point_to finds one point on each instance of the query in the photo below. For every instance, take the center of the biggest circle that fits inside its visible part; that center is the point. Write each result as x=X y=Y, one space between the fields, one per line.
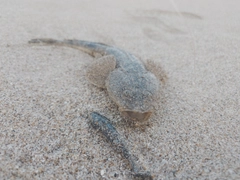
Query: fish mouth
x=137 y=116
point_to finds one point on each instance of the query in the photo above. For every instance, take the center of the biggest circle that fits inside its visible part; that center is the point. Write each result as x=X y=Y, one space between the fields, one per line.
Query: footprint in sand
x=156 y=24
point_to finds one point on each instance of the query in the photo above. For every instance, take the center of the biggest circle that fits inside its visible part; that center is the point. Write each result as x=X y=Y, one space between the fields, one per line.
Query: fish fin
x=157 y=70
x=99 y=70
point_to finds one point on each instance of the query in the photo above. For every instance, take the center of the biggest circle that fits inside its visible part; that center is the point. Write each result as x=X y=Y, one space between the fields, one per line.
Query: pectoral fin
x=98 y=71
x=157 y=70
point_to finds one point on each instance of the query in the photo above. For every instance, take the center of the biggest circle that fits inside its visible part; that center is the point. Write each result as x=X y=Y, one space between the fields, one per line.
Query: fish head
x=135 y=93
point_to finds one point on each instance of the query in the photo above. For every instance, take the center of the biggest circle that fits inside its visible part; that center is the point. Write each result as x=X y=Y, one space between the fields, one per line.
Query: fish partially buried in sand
x=128 y=81
x=108 y=130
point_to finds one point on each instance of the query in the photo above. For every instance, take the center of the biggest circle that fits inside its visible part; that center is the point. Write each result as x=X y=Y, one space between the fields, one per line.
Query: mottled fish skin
x=125 y=60
x=129 y=84
x=109 y=131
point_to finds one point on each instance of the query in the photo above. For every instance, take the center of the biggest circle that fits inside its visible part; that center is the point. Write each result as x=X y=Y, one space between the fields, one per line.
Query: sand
x=45 y=99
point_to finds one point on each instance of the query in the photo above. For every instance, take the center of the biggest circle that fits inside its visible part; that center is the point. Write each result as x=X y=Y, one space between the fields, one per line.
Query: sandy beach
x=45 y=99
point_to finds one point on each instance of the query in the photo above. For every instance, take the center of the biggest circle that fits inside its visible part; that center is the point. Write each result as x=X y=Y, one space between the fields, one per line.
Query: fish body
x=128 y=82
